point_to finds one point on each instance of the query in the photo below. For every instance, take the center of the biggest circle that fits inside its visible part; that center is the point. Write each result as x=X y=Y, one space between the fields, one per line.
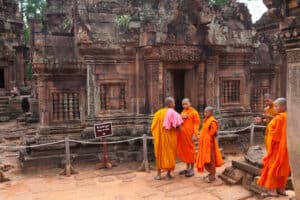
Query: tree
x=32 y=8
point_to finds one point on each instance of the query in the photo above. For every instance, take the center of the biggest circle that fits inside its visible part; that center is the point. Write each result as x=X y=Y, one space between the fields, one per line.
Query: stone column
x=43 y=102
x=91 y=90
x=201 y=86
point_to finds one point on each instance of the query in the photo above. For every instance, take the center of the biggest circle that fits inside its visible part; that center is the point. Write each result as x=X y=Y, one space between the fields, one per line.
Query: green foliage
x=29 y=71
x=123 y=21
x=31 y=9
x=27 y=35
x=218 y=2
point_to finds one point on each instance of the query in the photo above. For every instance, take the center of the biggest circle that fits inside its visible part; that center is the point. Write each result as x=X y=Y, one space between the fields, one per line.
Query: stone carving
x=293 y=56
x=183 y=53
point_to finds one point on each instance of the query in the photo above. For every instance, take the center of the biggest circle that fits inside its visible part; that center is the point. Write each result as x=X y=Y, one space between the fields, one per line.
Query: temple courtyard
x=120 y=183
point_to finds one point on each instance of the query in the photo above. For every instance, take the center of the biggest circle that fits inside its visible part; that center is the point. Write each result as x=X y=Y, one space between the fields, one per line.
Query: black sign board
x=103 y=130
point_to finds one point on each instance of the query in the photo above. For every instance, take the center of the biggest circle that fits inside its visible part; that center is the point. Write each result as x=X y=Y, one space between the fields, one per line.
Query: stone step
x=251 y=169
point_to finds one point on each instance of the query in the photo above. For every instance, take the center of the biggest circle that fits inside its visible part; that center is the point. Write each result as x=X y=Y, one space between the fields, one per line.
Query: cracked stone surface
x=120 y=183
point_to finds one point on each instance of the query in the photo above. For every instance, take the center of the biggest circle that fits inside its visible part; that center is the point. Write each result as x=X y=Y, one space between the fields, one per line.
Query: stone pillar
x=91 y=90
x=154 y=83
x=43 y=102
x=201 y=86
x=34 y=107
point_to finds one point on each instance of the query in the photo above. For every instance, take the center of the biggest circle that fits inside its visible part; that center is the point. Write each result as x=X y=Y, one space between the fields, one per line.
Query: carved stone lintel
x=293 y=56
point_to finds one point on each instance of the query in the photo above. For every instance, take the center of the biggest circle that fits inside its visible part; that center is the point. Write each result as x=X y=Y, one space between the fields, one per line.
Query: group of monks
x=175 y=135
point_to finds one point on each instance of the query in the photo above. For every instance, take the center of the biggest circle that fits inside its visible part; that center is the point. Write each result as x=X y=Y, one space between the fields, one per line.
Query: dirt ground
x=120 y=183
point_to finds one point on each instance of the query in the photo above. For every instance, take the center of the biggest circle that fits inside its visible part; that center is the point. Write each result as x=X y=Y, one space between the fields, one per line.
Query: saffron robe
x=165 y=142
x=207 y=141
x=276 y=168
x=185 y=143
x=269 y=111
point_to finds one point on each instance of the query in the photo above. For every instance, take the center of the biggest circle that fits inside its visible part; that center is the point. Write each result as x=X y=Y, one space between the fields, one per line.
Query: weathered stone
x=255 y=155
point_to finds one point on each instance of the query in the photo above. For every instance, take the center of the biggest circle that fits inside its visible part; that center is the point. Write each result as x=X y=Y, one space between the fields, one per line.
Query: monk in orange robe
x=267 y=116
x=165 y=140
x=209 y=155
x=186 y=135
x=276 y=170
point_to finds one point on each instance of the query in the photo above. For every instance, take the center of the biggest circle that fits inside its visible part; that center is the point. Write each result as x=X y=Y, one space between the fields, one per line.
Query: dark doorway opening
x=2 y=82
x=178 y=77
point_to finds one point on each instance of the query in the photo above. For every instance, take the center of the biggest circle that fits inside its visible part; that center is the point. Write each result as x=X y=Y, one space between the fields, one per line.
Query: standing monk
x=186 y=136
x=267 y=116
x=209 y=155
x=164 y=126
x=276 y=168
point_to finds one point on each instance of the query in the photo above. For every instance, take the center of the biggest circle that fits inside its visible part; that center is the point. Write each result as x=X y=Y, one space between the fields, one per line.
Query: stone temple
x=13 y=54
x=116 y=60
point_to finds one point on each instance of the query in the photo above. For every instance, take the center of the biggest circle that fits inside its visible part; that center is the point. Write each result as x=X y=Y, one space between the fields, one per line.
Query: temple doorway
x=2 y=81
x=178 y=86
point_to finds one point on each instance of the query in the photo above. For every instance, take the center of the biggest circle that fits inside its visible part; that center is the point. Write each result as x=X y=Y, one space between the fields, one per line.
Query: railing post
x=68 y=168
x=68 y=157
x=252 y=134
x=145 y=164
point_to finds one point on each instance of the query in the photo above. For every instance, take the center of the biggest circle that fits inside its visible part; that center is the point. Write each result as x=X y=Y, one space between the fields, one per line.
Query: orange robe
x=185 y=143
x=165 y=142
x=208 y=145
x=268 y=111
x=276 y=168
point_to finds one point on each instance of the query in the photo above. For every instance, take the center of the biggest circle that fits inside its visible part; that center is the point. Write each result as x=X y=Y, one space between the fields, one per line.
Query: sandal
x=189 y=174
x=209 y=179
x=183 y=172
x=282 y=192
x=268 y=194
x=157 y=178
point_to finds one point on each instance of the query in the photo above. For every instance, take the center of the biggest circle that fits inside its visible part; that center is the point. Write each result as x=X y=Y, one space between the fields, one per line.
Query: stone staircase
x=4 y=110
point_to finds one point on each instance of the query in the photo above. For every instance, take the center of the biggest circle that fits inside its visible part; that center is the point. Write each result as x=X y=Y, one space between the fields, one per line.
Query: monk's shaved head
x=209 y=108
x=170 y=102
x=186 y=103
x=268 y=99
x=208 y=111
x=281 y=102
x=186 y=100
x=268 y=96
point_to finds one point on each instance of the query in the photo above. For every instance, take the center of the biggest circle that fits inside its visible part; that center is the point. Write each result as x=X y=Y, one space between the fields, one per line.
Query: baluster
x=71 y=106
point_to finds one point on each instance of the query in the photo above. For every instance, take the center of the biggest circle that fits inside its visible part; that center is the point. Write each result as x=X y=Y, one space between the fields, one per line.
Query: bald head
x=280 y=105
x=208 y=111
x=268 y=96
x=268 y=99
x=170 y=102
x=186 y=103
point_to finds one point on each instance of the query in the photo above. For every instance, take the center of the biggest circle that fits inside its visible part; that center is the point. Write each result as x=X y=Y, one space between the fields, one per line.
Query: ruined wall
x=12 y=47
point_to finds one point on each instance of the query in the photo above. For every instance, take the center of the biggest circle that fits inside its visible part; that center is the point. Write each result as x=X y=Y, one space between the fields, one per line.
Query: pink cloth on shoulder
x=172 y=119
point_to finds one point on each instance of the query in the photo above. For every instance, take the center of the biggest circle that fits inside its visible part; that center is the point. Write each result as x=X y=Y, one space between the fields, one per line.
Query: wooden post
x=106 y=162
x=68 y=168
x=145 y=163
x=252 y=134
x=68 y=157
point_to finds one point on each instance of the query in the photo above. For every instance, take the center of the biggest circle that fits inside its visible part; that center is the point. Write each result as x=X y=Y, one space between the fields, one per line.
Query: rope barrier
x=32 y=146
x=116 y=142
x=241 y=130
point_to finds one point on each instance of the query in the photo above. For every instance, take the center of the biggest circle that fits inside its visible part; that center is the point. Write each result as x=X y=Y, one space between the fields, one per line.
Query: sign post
x=102 y=131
